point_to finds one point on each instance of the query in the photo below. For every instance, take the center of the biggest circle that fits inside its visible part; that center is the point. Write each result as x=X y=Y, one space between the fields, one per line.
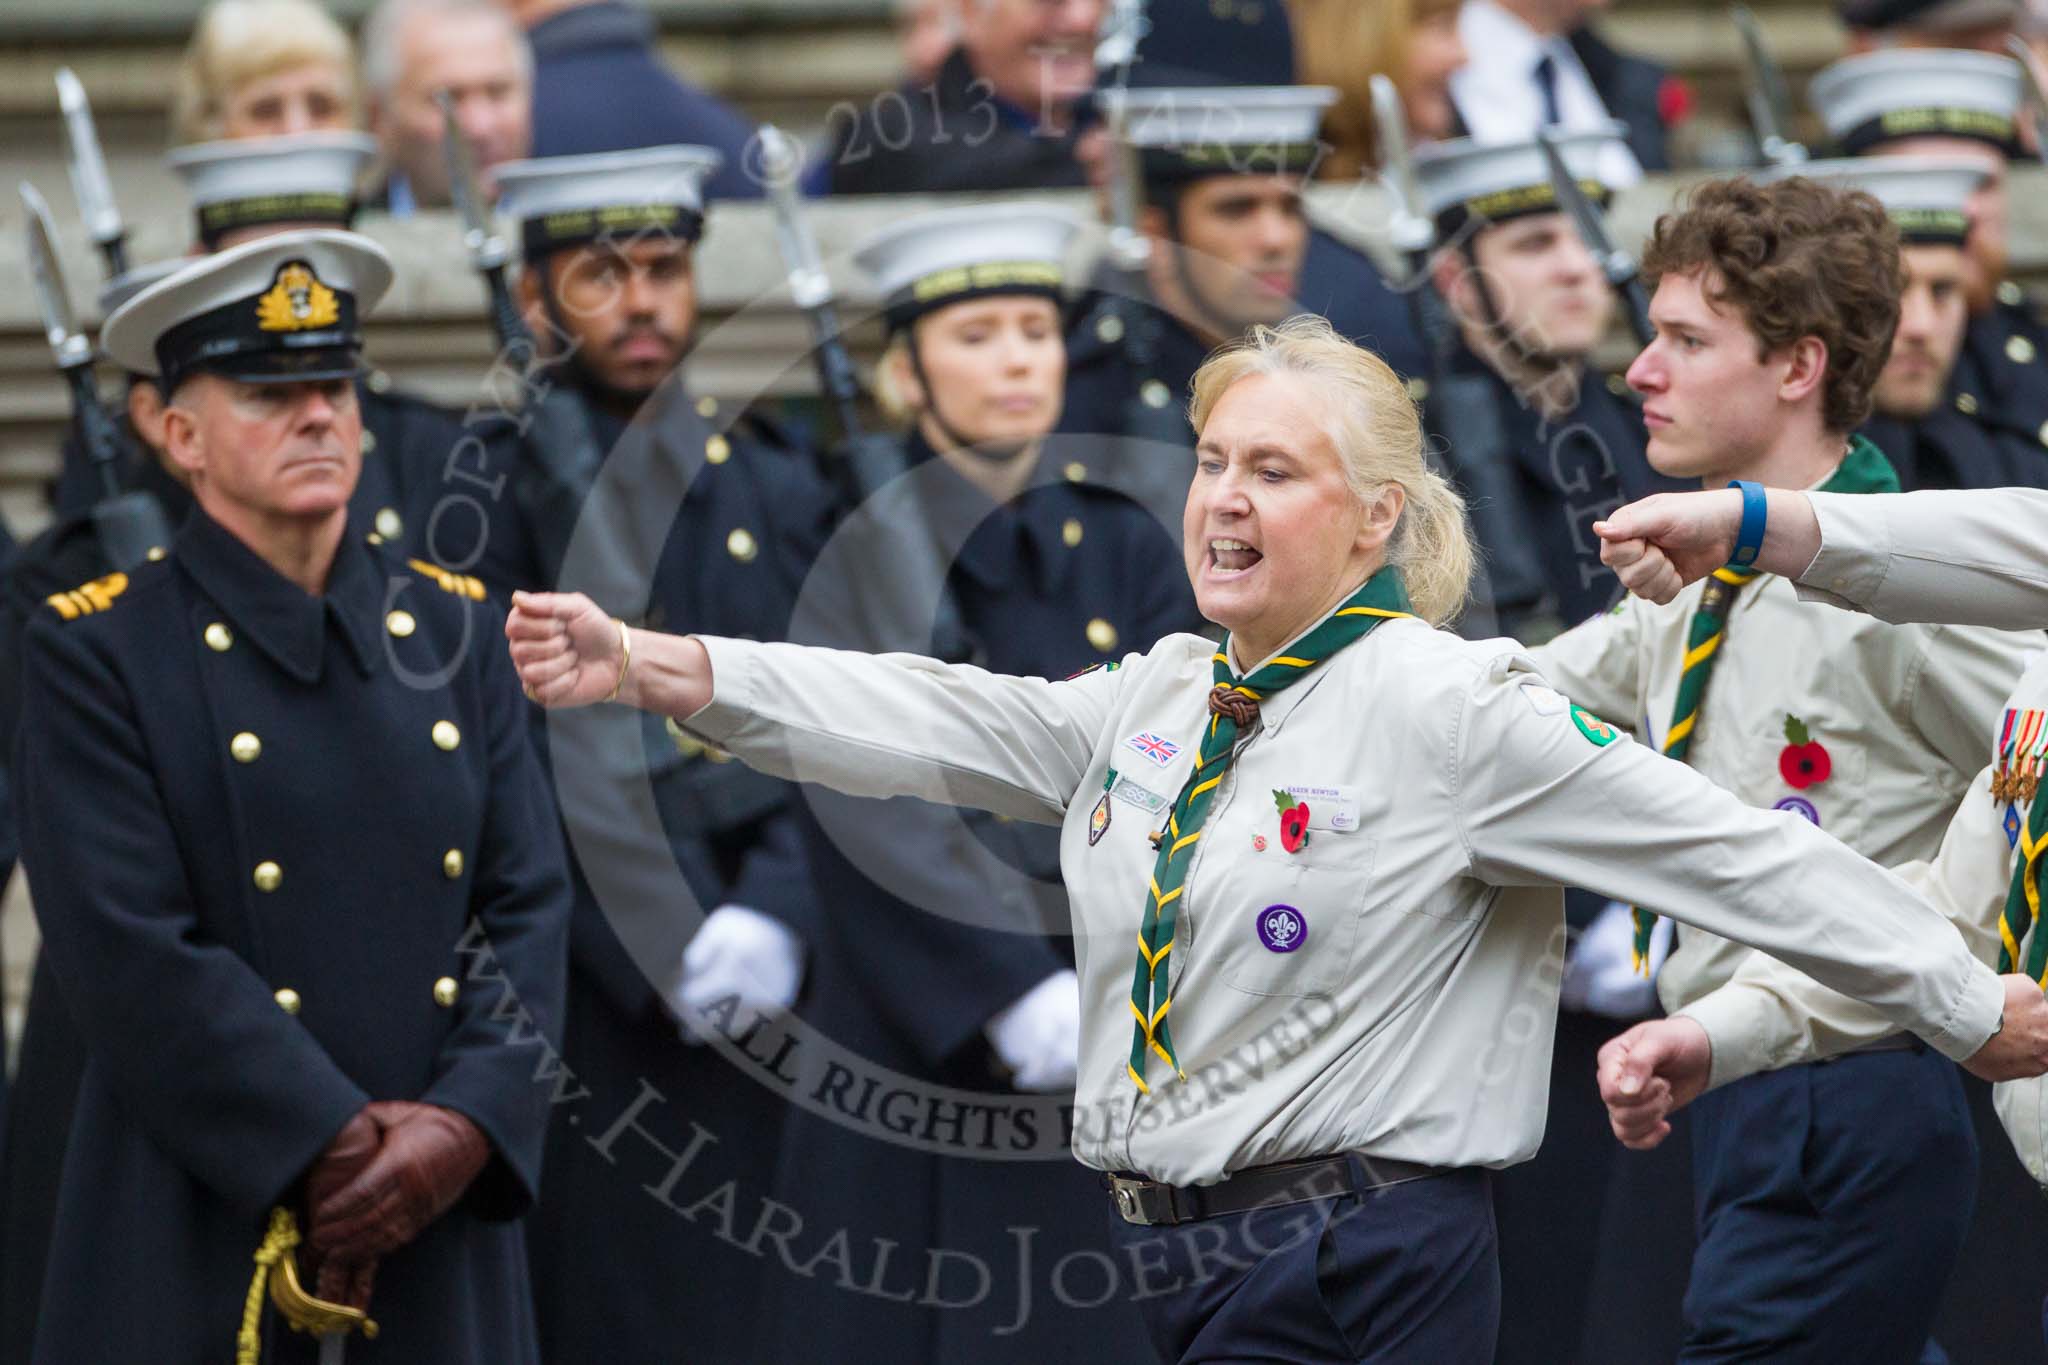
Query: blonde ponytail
x=1378 y=436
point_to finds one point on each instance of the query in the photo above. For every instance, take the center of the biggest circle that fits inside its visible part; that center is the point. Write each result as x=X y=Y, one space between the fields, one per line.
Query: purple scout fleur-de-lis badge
x=1282 y=928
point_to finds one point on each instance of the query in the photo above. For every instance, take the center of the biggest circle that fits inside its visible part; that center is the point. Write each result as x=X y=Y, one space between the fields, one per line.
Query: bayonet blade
x=1765 y=93
x=67 y=344
x=1411 y=232
x=89 y=182
x=1617 y=265
x=486 y=248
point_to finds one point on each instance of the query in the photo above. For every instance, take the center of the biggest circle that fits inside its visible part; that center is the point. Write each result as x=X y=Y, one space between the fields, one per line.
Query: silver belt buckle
x=1128 y=1204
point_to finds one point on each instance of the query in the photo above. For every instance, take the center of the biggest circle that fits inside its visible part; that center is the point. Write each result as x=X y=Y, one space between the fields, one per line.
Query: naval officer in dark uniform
x=689 y=924
x=298 y=874
x=946 y=963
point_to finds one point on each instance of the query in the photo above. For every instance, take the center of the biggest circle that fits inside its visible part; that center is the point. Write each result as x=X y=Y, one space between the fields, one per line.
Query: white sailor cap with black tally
x=1465 y=180
x=280 y=309
x=568 y=201
x=1926 y=197
x=1187 y=132
x=1899 y=93
x=951 y=255
x=135 y=279
x=304 y=179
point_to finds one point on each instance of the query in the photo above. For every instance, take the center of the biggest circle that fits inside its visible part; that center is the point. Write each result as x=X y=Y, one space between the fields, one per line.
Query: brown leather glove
x=427 y=1158
x=345 y=1158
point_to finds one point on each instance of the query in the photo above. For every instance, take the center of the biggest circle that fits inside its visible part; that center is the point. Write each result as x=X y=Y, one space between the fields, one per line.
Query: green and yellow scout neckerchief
x=1234 y=707
x=2023 y=900
x=1863 y=470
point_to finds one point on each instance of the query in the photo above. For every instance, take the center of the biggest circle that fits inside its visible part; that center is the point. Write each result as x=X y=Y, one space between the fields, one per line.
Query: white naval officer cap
x=566 y=201
x=1918 y=92
x=1465 y=180
x=1926 y=197
x=1187 y=132
x=281 y=309
x=950 y=255
x=305 y=178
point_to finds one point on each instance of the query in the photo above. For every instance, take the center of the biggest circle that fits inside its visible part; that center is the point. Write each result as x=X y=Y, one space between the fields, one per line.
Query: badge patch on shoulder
x=88 y=598
x=1597 y=731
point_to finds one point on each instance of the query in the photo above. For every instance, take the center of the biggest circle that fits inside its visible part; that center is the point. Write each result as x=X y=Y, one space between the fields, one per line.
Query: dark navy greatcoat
x=1065 y=577
x=290 y=854
x=2001 y=381
x=724 y=513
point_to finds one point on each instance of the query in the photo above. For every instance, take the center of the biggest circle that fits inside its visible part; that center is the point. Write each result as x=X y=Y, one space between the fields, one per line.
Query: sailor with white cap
x=1939 y=102
x=1541 y=443
x=947 y=954
x=1930 y=442
x=311 y=1087
x=731 y=510
x=1213 y=142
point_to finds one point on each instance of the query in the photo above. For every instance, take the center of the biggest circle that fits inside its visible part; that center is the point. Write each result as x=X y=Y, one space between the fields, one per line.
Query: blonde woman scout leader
x=1318 y=981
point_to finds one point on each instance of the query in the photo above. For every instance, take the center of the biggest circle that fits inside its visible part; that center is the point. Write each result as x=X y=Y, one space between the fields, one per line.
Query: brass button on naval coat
x=1075 y=471
x=2019 y=350
x=369 y=441
x=1966 y=404
x=451 y=863
x=219 y=638
x=400 y=623
x=741 y=545
x=287 y=1000
x=1072 y=532
x=2010 y=294
x=446 y=736
x=268 y=876
x=2043 y=433
x=1110 y=328
x=1154 y=394
x=717 y=450
x=245 y=747
x=389 y=525
x=157 y=552
x=707 y=408
x=1101 y=635
x=445 y=991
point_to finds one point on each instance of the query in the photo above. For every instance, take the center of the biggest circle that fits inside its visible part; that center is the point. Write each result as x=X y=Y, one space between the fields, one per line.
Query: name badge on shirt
x=1126 y=790
x=1331 y=808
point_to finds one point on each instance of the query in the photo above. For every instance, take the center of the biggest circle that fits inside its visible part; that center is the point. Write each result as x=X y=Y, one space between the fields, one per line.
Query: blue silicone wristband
x=1749 y=541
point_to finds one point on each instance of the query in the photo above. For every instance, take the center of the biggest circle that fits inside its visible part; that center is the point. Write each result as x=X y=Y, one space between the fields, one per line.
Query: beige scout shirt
x=1414 y=1018
x=1901 y=711
x=1769 y=1017
x=1968 y=557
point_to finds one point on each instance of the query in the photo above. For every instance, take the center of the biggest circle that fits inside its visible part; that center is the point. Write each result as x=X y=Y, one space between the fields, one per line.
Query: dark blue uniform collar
x=277 y=615
x=1003 y=545
x=579 y=28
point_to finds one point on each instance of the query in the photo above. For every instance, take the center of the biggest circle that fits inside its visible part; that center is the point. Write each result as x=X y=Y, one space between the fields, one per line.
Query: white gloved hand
x=1600 y=976
x=737 y=952
x=1039 y=1035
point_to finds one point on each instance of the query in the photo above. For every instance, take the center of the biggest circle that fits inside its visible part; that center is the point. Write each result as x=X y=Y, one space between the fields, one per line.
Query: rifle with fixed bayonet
x=908 y=586
x=129 y=522
x=563 y=459
x=1617 y=265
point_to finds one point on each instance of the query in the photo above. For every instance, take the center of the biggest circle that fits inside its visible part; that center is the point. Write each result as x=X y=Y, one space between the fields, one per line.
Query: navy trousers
x=1406 y=1273
x=1832 y=1201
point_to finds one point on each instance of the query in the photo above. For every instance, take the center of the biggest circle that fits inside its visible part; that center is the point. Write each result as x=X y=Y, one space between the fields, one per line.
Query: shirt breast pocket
x=1821 y=780
x=1296 y=939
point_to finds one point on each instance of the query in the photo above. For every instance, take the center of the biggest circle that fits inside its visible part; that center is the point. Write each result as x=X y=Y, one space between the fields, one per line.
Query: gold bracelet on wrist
x=625 y=658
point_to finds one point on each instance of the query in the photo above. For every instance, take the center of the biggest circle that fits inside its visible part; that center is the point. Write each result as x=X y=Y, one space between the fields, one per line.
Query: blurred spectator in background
x=1982 y=25
x=600 y=85
x=1003 y=113
x=1536 y=62
x=263 y=68
x=1343 y=44
x=414 y=49
x=927 y=31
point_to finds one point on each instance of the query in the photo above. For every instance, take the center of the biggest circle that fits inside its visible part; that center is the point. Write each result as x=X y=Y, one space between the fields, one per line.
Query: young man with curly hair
x=1832 y=1198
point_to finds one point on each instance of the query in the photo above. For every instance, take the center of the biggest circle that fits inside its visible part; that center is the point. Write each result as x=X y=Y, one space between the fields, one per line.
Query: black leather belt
x=1149 y=1203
